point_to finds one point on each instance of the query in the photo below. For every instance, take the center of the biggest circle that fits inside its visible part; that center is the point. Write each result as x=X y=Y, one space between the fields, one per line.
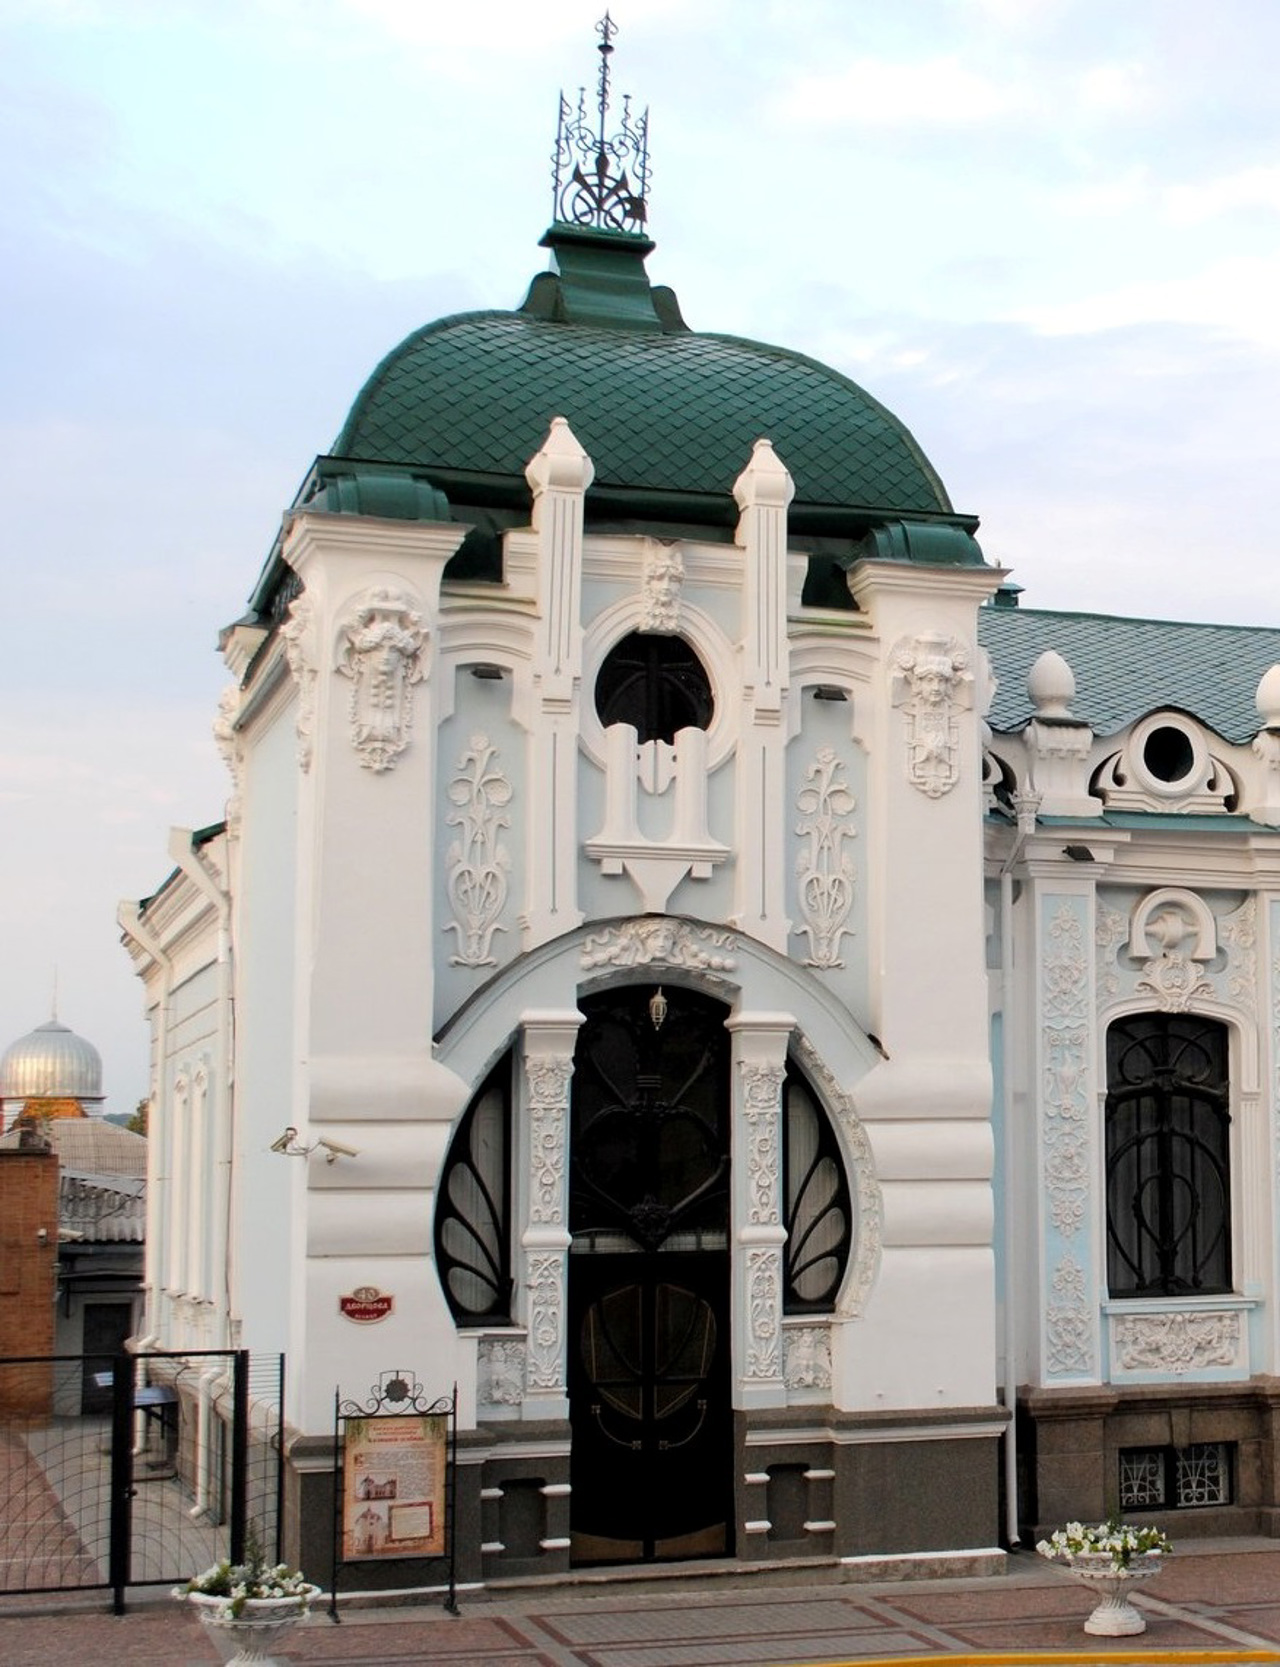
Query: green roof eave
x=1162 y=821
x=921 y=541
x=479 y=488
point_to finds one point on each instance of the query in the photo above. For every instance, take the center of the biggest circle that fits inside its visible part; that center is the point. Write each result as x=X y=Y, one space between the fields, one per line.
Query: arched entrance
x=648 y=1367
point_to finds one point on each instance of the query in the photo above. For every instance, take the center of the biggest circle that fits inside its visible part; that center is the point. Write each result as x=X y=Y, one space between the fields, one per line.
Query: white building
x=595 y=962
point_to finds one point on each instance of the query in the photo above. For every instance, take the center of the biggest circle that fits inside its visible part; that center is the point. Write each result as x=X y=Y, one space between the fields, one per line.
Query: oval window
x=656 y=684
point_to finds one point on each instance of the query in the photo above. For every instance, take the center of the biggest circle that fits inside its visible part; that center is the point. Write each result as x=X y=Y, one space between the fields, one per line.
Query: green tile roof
x=658 y=407
x=1125 y=668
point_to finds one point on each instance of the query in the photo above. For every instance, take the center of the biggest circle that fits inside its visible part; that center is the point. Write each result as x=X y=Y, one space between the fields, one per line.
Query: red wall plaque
x=366 y=1305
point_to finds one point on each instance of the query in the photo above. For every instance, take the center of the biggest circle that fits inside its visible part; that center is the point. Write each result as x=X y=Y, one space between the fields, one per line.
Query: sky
x=1046 y=233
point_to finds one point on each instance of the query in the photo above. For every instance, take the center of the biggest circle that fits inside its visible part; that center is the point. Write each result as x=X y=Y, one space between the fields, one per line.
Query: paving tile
x=692 y=1620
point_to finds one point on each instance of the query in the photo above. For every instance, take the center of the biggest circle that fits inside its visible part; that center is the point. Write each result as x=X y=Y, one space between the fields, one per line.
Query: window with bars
x=1177 y=1478
x=1168 y=1131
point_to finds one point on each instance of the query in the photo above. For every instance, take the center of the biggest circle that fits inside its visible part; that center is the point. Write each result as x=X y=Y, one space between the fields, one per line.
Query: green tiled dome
x=658 y=407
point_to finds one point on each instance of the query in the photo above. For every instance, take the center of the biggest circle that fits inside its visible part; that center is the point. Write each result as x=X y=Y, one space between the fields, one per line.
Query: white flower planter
x=259 y=1627
x=1115 y=1616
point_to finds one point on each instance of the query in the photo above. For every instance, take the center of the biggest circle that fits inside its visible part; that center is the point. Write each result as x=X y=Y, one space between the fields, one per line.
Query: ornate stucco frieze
x=1065 y=1039
x=544 y=1366
x=1173 y=977
x=500 y=1368
x=824 y=869
x=548 y=1077
x=231 y=752
x=1176 y=1342
x=762 y=1113
x=1238 y=932
x=1110 y=930
x=662 y=584
x=1064 y=1060
x=662 y=942
x=932 y=680
x=382 y=650
x=807 y=1356
x=1069 y=1322
x=1273 y=924
x=477 y=862
x=764 y=1308
x=300 y=652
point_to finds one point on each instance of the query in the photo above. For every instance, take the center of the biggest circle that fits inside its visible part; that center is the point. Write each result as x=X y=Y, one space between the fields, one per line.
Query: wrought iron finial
x=601 y=179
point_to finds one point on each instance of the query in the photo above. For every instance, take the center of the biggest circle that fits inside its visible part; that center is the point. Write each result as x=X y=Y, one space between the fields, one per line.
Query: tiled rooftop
x=1125 y=668
x=676 y=412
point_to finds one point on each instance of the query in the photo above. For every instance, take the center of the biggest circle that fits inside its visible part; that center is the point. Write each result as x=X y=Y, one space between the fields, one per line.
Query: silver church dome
x=51 y=1063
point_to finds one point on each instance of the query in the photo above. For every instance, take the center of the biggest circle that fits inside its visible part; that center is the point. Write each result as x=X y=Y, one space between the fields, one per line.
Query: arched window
x=473 y=1216
x=1168 y=1157
x=656 y=684
x=819 y=1217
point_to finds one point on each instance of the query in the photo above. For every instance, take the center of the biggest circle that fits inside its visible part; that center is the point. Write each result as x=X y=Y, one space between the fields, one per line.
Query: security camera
x=286 y=1140
x=334 y=1149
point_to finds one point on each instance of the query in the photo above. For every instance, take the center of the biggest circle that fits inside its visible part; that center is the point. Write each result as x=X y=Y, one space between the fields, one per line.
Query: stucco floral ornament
x=249 y=1607
x=1111 y=1556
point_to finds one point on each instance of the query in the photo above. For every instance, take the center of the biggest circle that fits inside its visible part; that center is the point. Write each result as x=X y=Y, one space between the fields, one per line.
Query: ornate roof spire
x=592 y=184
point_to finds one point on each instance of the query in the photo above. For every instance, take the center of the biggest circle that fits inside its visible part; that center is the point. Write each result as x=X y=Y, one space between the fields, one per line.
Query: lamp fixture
x=657 y=1008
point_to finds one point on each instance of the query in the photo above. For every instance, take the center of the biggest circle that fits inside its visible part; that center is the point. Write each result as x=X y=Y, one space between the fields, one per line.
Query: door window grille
x=1168 y=1157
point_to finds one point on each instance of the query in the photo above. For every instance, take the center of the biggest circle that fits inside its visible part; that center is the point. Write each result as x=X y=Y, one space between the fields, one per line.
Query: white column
x=763 y=491
x=366 y=947
x=760 y=1043
x=929 y=1330
x=559 y=475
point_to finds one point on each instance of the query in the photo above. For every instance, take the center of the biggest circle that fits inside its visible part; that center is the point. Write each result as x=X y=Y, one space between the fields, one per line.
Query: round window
x=655 y=683
x=1168 y=754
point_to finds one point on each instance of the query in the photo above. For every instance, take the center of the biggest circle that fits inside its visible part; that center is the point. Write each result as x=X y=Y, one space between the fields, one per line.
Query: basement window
x=1177 y=1478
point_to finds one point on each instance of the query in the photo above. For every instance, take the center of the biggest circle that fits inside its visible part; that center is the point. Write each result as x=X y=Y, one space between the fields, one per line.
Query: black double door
x=648 y=1333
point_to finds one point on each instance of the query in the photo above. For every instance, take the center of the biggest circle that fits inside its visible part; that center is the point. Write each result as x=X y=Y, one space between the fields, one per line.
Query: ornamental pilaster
x=760 y=1042
x=1066 y=1097
x=558 y=475
x=546 y=1072
x=762 y=492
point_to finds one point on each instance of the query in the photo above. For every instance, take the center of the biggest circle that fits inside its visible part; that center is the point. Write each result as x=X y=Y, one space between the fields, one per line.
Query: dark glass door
x=649 y=1386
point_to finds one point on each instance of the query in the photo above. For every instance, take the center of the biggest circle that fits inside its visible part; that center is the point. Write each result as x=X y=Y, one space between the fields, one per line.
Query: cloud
x=1250 y=188
x=1114 y=89
x=1236 y=295
x=1118 y=194
x=933 y=92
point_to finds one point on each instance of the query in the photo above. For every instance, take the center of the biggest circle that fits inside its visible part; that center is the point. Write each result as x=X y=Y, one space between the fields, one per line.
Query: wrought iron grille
x=649 y=1160
x=473 y=1222
x=1168 y=1156
x=818 y=1210
x=1177 y=1478
x=601 y=178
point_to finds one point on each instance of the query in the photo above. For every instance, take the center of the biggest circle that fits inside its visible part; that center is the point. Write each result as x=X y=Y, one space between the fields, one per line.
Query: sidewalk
x=1215 y=1602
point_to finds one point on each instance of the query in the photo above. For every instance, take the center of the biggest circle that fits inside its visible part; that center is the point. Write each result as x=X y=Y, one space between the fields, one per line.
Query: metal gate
x=121 y=1470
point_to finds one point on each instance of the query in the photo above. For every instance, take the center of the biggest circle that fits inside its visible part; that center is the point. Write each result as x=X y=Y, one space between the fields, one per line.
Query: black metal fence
x=133 y=1470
